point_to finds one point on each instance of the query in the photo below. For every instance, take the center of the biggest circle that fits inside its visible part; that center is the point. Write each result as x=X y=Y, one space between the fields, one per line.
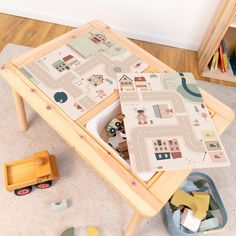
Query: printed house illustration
x=126 y=84
x=165 y=149
x=95 y=80
x=70 y=60
x=174 y=149
x=89 y=45
x=100 y=39
x=162 y=111
x=65 y=64
x=60 y=66
x=161 y=149
x=140 y=83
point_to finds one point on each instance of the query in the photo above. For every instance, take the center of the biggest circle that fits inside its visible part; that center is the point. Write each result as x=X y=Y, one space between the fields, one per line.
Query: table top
x=147 y=197
x=81 y=73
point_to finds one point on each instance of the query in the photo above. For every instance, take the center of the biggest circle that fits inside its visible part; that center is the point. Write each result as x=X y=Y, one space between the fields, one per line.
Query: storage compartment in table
x=97 y=126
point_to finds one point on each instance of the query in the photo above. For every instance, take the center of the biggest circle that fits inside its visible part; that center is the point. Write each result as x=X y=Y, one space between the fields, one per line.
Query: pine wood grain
x=33 y=33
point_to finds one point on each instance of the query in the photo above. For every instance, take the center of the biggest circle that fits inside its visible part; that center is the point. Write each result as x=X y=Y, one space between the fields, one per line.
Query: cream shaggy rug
x=92 y=201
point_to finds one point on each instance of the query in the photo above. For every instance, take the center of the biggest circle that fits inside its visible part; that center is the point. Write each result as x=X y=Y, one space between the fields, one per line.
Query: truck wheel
x=44 y=185
x=112 y=132
x=23 y=191
x=118 y=125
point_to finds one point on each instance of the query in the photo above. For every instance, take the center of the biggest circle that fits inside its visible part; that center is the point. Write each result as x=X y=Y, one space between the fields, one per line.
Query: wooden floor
x=33 y=33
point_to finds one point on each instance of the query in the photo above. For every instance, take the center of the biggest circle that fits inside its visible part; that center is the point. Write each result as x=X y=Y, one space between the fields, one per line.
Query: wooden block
x=216 y=213
x=92 y=231
x=202 y=195
x=190 y=187
x=181 y=198
x=69 y=232
x=204 y=189
x=176 y=218
x=198 y=203
x=204 y=198
x=59 y=206
x=209 y=224
x=213 y=204
x=189 y=221
x=200 y=183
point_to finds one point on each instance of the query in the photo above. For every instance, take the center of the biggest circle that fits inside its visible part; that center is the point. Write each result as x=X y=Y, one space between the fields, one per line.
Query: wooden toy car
x=38 y=170
x=113 y=126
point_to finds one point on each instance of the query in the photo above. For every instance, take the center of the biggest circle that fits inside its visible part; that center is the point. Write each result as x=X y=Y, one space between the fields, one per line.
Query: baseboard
x=65 y=20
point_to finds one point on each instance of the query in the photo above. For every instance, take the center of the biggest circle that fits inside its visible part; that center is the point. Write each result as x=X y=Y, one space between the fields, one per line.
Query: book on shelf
x=225 y=52
x=221 y=60
x=213 y=64
x=233 y=62
x=217 y=59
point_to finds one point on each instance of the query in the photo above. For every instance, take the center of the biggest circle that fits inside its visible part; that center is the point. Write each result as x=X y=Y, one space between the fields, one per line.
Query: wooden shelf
x=230 y=40
x=218 y=75
x=233 y=24
x=221 y=27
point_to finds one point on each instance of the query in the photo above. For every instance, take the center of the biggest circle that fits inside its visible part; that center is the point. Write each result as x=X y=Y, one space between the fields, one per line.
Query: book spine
x=222 y=66
x=213 y=62
x=210 y=63
x=233 y=62
x=217 y=59
x=226 y=56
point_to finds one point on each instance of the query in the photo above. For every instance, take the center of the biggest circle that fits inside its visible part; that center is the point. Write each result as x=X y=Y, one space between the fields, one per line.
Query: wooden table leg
x=19 y=103
x=136 y=220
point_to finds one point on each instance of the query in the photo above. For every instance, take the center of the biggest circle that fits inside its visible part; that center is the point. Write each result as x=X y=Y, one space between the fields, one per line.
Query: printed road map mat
x=167 y=123
x=82 y=73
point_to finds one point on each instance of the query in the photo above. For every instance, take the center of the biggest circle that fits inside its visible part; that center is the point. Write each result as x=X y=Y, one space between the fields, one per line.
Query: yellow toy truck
x=39 y=170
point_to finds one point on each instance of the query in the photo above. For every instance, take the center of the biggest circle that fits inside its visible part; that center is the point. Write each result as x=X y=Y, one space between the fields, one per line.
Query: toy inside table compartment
x=98 y=124
x=115 y=135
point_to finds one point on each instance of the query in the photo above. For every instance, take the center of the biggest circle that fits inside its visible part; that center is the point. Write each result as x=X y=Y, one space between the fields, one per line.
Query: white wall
x=179 y=23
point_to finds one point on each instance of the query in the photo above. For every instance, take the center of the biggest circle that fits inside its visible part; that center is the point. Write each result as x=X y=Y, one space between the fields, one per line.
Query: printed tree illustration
x=60 y=97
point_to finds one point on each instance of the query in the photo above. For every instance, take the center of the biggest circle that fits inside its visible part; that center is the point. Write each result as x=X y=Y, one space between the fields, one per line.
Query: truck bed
x=20 y=172
x=26 y=172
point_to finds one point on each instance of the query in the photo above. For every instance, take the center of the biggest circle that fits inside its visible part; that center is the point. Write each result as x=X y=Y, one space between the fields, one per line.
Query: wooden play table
x=147 y=198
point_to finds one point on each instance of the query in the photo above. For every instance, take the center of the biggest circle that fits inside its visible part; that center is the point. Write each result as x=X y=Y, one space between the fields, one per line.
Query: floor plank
x=32 y=33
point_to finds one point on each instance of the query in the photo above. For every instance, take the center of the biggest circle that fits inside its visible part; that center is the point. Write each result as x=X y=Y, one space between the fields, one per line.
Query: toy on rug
x=58 y=202
x=92 y=231
x=69 y=232
x=39 y=170
x=59 y=206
